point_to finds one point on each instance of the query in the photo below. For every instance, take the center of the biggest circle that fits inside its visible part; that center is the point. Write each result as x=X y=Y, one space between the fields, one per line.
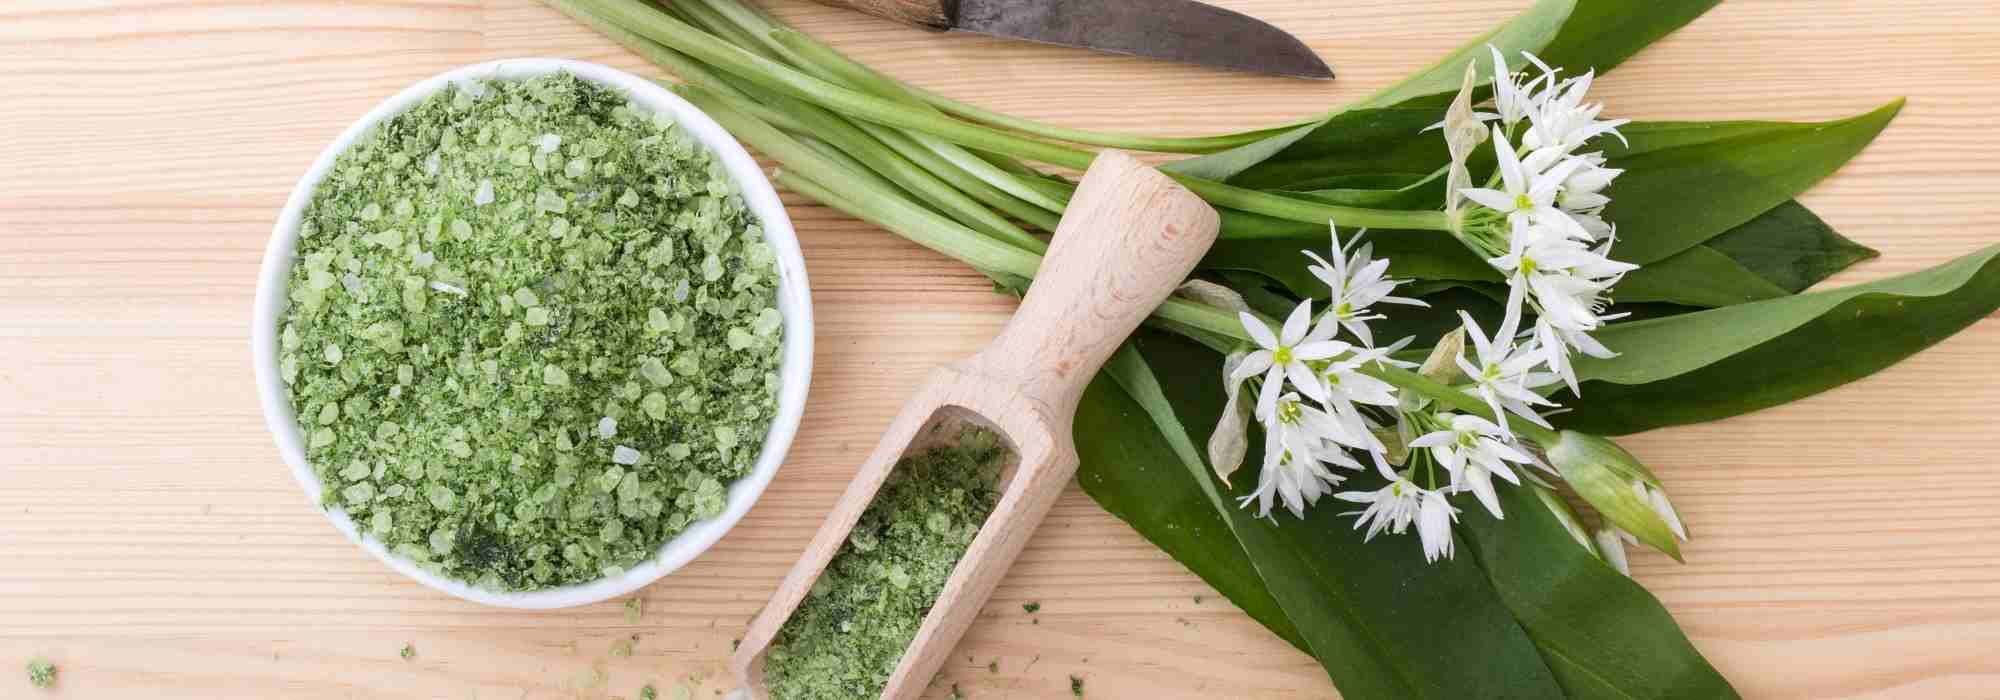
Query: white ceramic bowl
x=794 y=302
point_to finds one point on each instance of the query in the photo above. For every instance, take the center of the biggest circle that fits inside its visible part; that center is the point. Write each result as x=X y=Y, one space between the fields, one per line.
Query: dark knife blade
x=1175 y=30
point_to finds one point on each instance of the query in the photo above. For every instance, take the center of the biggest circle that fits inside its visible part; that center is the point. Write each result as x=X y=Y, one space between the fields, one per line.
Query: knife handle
x=931 y=14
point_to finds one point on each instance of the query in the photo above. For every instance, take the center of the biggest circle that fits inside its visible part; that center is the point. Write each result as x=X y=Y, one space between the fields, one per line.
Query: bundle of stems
x=947 y=175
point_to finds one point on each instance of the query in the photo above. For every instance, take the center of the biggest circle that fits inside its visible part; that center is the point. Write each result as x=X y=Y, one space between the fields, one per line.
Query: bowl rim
x=794 y=302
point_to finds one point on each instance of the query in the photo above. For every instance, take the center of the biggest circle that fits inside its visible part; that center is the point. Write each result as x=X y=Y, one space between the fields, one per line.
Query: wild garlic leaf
x=1722 y=362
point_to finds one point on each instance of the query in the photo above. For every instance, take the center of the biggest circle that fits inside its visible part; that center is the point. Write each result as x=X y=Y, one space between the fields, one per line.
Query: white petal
x=1297 y=324
x=1252 y=365
x=1258 y=331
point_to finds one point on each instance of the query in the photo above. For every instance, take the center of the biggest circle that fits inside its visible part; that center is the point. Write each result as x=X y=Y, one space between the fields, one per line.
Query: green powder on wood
x=41 y=674
x=528 y=335
x=847 y=636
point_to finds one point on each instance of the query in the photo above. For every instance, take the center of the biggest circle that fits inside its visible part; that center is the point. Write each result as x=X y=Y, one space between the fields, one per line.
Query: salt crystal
x=448 y=288
x=625 y=455
x=484 y=195
x=607 y=427
x=550 y=142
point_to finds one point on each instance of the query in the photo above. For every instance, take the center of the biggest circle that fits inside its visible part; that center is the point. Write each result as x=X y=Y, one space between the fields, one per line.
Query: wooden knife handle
x=933 y=14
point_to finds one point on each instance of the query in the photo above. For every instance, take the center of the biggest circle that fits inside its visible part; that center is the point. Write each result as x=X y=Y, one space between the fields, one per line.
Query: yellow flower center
x=1282 y=355
x=1523 y=202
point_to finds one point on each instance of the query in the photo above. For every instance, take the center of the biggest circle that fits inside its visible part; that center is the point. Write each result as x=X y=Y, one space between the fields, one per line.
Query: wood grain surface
x=153 y=545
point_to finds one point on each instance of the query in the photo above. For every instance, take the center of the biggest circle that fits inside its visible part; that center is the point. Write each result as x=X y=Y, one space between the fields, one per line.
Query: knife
x=1175 y=30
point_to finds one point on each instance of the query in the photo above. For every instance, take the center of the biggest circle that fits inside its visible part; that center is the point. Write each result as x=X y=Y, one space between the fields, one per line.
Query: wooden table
x=153 y=545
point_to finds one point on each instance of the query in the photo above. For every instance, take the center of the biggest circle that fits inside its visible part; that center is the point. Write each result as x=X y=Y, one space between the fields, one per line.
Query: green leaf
x=1601 y=633
x=1379 y=620
x=1600 y=34
x=1575 y=34
x=1723 y=362
x=1790 y=246
x=1735 y=170
x=1529 y=31
x=1698 y=276
x=1427 y=255
x=1360 y=141
x=1134 y=457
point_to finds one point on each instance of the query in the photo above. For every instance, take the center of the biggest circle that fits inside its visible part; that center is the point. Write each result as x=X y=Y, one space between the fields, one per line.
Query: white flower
x=1512 y=100
x=1296 y=452
x=1566 y=279
x=1562 y=122
x=1473 y=449
x=1529 y=193
x=1504 y=375
x=1555 y=343
x=1346 y=386
x=1434 y=519
x=1358 y=281
x=1390 y=508
x=1583 y=190
x=1284 y=355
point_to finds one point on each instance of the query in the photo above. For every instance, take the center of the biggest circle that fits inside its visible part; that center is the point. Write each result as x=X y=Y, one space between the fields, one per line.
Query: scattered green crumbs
x=1076 y=686
x=1031 y=608
x=648 y=693
x=635 y=609
x=41 y=674
x=846 y=638
x=409 y=652
x=532 y=333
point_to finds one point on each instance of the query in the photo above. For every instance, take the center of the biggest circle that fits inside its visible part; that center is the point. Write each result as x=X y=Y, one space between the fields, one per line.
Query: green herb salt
x=848 y=635
x=532 y=333
x=41 y=674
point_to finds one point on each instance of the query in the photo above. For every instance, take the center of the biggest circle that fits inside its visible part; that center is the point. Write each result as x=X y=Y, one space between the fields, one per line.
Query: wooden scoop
x=1129 y=237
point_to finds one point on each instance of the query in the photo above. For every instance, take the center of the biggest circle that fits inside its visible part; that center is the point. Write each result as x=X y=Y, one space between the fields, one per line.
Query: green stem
x=837 y=67
x=1458 y=400
x=868 y=146
x=782 y=78
x=886 y=208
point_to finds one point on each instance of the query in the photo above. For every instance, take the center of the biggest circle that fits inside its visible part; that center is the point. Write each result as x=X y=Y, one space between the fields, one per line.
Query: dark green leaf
x=1722 y=362
x=1601 y=633
x=1427 y=255
x=1576 y=34
x=1600 y=34
x=1791 y=247
x=1360 y=141
x=1698 y=276
x=1128 y=465
x=1379 y=619
x=1734 y=170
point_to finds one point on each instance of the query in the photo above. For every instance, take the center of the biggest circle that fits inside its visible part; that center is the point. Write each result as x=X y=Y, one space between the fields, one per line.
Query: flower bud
x=1230 y=441
x=1603 y=474
x=1566 y=516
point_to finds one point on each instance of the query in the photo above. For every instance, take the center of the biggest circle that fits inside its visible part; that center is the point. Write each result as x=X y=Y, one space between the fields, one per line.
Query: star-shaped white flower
x=1283 y=356
x=1296 y=455
x=1392 y=508
x=1563 y=122
x=1474 y=450
x=1358 y=281
x=1514 y=100
x=1556 y=343
x=1504 y=375
x=1434 y=519
x=1528 y=194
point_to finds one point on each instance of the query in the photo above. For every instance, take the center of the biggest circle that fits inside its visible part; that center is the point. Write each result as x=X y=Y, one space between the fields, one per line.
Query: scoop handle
x=1129 y=237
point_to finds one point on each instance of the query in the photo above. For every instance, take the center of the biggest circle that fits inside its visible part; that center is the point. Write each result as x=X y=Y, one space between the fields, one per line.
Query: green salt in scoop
x=846 y=637
x=529 y=335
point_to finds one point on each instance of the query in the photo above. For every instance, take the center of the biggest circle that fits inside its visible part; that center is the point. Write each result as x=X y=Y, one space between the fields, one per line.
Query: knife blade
x=1175 y=30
